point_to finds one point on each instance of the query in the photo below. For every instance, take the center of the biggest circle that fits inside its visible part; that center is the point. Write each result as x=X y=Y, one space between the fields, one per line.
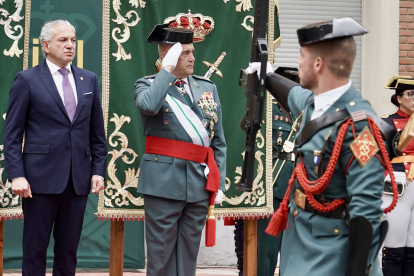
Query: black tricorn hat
x=163 y=33
x=324 y=31
x=400 y=82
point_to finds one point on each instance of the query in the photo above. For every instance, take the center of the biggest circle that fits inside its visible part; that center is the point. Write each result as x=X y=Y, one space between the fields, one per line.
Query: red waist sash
x=186 y=151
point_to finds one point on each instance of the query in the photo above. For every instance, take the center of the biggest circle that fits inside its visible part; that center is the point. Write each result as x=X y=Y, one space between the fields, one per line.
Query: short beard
x=309 y=80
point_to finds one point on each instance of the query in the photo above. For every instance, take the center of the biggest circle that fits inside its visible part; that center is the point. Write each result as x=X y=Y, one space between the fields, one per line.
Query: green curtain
x=129 y=58
x=86 y=16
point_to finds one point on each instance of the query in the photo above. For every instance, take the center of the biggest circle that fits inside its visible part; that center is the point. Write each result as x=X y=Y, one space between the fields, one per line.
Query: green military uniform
x=269 y=246
x=176 y=200
x=317 y=245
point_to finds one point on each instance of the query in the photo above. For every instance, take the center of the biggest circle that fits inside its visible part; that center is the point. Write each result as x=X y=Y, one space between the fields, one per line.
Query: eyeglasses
x=410 y=94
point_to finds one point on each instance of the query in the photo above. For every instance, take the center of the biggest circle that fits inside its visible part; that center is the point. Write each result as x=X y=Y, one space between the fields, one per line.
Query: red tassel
x=211 y=223
x=210 y=233
x=229 y=222
x=279 y=220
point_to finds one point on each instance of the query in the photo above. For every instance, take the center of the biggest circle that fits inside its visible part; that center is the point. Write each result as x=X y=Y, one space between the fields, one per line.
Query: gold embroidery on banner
x=115 y=192
x=244 y=24
x=7 y=198
x=245 y=4
x=257 y=196
x=10 y=30
x=116 y=5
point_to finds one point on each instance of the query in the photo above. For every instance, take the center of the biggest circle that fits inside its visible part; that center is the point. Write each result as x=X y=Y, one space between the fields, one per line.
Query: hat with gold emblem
x=400 y=82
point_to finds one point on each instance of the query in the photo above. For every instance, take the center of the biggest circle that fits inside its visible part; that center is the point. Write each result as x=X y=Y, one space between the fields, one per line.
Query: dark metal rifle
x=255 y=93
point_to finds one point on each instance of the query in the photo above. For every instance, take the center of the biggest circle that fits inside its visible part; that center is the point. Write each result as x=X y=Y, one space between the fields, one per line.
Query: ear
x=318 y=64
x=46 y=46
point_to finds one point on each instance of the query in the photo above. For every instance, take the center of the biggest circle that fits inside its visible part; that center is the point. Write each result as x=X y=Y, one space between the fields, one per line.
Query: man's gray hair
x=46 y=34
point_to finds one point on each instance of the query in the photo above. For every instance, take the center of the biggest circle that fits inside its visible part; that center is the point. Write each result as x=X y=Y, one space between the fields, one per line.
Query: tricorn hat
x=163 y=33
x=324 y=31
x=400 y=82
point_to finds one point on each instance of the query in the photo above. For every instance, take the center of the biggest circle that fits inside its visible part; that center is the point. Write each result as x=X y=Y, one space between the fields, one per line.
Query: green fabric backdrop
x=129 y=58
x=86 y=16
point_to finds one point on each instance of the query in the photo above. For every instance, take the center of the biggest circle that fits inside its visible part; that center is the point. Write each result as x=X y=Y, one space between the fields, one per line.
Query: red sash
x=195 y=153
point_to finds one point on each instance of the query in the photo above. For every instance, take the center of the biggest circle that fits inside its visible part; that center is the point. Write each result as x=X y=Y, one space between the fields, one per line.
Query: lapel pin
x=81 y=78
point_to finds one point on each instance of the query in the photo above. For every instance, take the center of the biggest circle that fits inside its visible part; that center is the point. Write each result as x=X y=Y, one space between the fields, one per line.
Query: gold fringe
x=28 y=6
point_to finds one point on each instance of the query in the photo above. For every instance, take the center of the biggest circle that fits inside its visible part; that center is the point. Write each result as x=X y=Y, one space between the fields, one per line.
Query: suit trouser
x=268 y=247
x=173 y=232
x=64 y=213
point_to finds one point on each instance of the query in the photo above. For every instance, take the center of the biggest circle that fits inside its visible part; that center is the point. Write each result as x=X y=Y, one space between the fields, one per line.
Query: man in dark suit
x=57 y=108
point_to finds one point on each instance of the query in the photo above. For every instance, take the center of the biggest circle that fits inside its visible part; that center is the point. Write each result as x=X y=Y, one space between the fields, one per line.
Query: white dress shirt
x=58 y=78
x=324 y=101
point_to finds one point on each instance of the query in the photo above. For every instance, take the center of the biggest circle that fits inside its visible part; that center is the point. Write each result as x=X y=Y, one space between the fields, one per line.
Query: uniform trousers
x=173 y=231
x=401 y=219
x=64 y=213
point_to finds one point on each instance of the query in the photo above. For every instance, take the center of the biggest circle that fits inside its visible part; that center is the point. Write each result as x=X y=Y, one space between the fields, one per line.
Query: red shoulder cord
x=279 y=219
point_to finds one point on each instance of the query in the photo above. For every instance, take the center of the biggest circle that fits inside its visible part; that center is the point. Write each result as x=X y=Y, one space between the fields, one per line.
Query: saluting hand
x=171 y=58
x=97 y=183
x=21 y=187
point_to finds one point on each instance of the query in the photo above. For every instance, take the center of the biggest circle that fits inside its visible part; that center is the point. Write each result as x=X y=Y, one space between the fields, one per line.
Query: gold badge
x=364 y=147
x=300 y=199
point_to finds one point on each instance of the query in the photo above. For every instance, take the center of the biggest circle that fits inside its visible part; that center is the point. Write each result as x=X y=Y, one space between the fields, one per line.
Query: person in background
x=398 y=250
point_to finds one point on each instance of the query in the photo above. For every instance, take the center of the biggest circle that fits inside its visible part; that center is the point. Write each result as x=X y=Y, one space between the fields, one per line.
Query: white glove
x=219 y=197
x=256 y=66
x=171 y=58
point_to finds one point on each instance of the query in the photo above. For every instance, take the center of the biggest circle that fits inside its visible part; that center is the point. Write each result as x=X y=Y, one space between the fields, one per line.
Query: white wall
x=380 y=52
x=223 y=253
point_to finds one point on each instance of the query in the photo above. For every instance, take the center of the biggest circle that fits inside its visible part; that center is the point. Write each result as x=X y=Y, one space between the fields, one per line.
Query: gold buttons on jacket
x=404 y=154
x=170 y=84
x=405 y=163
x=155 y=159
x=351 y=103
x=295 y=213
x=406 y=171
x=399 y=129
x=337 y=109
x=336 y=231
x=396 y=123
x=166 y=110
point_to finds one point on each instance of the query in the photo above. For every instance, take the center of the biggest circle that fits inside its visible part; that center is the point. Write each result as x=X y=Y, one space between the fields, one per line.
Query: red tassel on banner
x=211 y=223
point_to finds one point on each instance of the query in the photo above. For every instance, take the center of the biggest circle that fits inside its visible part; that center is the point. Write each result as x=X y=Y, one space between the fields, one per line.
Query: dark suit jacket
x=54 y=146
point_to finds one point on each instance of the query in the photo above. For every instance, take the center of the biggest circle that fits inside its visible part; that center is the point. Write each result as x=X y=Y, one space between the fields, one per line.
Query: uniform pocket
x=158 y=158
x=327 y=227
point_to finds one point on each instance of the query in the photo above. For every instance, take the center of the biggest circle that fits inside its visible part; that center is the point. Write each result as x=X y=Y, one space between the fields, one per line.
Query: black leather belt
x=290 y=156
x=302 y=202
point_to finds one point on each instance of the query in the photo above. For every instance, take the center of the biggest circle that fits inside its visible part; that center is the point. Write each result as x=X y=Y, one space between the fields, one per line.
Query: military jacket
x=399 y=119
x=316 y=245
x=166 y=176
x=281 y=129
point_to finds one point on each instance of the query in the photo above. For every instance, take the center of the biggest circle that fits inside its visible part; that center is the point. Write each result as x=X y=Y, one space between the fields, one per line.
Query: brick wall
x=406 y=38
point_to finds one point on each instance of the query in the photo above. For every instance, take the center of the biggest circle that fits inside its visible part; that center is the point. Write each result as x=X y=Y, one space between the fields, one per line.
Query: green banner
x=223 y=29
x=86 y=16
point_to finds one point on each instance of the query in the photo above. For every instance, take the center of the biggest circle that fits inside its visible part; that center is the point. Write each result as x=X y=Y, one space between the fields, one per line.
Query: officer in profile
x=336 y=187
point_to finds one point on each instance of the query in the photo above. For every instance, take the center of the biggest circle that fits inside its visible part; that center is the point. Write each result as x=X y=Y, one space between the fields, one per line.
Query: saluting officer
x=182 y=122
x=335 y=190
